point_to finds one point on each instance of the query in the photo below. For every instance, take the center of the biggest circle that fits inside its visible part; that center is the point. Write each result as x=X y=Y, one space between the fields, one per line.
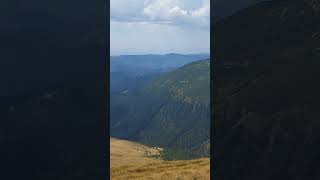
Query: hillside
x=129 y=160
x=124 y=153
x=188 y=84
x=170 y=112
x=266 y=92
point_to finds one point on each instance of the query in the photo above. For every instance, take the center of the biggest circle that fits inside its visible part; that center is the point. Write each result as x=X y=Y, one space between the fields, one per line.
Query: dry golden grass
x=124 y=152
x=129 y=162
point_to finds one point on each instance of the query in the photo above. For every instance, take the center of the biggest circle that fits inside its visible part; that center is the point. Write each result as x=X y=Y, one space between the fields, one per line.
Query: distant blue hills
x=151 y=63
x=130 y=71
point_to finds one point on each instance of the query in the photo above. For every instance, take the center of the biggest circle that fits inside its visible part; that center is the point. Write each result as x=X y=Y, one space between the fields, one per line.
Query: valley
x=170 y=111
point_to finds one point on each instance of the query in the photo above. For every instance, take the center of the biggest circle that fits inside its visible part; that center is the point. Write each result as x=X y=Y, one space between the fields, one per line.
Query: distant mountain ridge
x=140 y=63
x=131 y=71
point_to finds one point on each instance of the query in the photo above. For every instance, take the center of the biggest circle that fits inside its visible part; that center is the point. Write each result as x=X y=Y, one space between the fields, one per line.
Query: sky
x=159 y=26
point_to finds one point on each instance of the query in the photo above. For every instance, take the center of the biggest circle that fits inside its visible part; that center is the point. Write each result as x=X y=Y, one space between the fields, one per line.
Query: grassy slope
x=129 y=161
x=124 y=152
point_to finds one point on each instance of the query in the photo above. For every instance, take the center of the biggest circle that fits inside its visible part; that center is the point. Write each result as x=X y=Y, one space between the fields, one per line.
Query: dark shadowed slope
x=266 y=118
x=224 y=8
x=45 y=44
x=52 y=94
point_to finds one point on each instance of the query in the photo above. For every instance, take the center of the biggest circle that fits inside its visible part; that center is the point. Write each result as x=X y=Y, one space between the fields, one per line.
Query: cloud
x=150 y=38
x=169 y=12
x=126 y=10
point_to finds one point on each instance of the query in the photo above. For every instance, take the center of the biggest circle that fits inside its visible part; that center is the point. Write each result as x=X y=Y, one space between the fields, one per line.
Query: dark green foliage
x=176 y=154
x=189 y=83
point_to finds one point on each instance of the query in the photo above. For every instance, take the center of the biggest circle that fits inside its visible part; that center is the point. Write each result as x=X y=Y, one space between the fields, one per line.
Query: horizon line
x=141 y=54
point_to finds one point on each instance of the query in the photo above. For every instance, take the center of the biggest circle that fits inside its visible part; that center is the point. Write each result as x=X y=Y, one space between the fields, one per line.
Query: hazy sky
x=160 y=26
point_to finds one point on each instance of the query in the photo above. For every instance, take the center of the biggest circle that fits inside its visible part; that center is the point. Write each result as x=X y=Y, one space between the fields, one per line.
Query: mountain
x=141 y=64
x=265 y=93
x=123 y=81
x=171 y=111
x=132 y=71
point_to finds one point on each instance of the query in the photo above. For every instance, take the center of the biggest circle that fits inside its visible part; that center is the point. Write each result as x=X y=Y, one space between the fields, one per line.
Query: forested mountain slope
x=171 y=111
